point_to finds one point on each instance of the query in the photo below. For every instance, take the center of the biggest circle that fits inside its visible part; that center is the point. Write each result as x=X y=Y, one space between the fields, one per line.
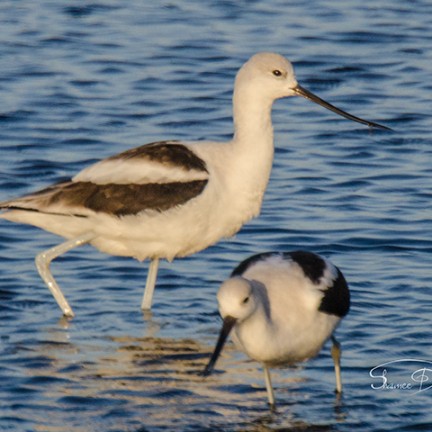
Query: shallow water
x=81 y=81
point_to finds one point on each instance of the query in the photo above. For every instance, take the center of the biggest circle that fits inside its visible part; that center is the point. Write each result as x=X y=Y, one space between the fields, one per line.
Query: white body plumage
x=170 y=199
x=280 y=308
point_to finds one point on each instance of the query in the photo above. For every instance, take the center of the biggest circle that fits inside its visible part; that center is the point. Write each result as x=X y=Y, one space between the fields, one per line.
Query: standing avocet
x=281 y=308
x=169 y=199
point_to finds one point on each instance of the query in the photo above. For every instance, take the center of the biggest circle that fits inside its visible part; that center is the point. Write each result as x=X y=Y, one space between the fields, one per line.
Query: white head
x=266 y=77
x=237 y=302
x=267 y=74
x=236 y=298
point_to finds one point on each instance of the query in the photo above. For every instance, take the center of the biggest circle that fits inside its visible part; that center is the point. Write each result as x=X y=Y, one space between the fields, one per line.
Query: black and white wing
x=156 y=176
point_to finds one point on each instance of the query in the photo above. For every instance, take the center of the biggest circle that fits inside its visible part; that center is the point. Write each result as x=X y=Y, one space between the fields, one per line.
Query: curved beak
x=301 y=91
x=228 y=324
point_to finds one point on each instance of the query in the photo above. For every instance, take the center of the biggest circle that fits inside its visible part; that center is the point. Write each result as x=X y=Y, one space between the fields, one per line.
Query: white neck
x=252 y=120
x=253 y=140
x=247 y=159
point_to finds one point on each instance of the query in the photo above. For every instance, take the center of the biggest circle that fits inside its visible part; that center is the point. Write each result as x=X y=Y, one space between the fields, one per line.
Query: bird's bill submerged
x=301 y=91
x=228 y=324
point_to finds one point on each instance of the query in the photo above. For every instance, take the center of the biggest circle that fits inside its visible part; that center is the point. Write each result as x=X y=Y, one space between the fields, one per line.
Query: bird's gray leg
x=150 y=284
x=336 y=353
x=269 y=387
x=43 y=261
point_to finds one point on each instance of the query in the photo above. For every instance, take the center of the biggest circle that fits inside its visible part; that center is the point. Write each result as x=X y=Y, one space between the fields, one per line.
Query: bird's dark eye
x=277 y=73
x=245 y=300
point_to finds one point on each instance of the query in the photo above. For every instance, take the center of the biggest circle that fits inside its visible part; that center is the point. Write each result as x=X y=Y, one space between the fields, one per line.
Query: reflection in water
x=152 y=381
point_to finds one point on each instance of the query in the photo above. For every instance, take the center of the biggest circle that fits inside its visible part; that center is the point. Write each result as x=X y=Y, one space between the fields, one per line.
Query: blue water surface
x=80 y=81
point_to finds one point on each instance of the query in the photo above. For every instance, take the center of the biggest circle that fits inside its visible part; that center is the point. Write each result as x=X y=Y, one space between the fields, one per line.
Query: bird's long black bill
x=301 y=91
x=228 y=324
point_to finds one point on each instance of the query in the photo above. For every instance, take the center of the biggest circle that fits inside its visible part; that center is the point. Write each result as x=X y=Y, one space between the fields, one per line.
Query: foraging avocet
x=281 y=308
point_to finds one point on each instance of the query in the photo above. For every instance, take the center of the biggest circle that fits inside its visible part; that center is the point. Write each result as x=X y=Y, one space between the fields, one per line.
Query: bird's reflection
x=159 y=377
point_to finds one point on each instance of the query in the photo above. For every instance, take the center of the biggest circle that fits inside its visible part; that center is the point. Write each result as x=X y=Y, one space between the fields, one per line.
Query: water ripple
x=84 y=81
